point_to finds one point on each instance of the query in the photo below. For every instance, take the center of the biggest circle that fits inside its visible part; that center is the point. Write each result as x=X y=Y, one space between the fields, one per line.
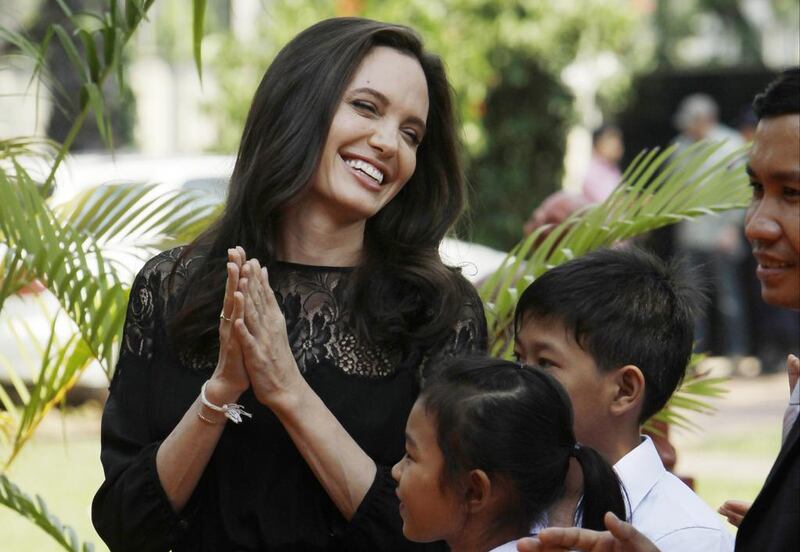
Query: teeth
x=367 y=168
x=775 y=265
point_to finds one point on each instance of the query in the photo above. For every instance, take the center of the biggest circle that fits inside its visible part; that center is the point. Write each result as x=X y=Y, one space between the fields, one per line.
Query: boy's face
x=547 y=343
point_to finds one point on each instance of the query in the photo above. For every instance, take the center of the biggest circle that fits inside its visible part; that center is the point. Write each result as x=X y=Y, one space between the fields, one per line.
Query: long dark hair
x=515 y=422
x=401 y=292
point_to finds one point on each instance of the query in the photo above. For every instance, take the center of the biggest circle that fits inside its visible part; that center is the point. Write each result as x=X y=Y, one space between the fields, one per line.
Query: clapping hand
x=230 y=378
x=262 y=335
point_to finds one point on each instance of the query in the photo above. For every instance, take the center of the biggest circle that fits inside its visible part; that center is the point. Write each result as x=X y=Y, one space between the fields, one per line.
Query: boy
x=615 y=327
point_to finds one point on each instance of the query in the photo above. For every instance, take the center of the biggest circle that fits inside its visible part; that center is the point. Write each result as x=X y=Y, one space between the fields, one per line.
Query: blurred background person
x=716 y=245
x=603 y=174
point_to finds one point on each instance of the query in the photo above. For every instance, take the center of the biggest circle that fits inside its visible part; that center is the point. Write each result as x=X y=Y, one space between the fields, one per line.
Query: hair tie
x=576 y=448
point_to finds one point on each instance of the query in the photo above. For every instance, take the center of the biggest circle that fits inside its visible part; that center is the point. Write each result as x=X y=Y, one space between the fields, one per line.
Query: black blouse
x=257 y=492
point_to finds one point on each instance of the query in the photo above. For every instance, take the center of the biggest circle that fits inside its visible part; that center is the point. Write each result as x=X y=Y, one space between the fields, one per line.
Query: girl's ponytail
x=602 y=490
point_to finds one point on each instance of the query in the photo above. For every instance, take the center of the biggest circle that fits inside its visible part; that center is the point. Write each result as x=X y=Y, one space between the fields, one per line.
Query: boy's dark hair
x=623 y=307
x=514 y=422
x=781 y=97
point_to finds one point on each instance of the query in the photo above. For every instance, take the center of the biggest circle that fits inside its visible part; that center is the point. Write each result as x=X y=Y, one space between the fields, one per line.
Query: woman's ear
x=629 y=390
x=479 y=491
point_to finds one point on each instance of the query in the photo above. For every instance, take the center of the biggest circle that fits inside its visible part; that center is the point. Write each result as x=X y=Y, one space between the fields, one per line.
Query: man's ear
x=479 y=491
x=628 y=388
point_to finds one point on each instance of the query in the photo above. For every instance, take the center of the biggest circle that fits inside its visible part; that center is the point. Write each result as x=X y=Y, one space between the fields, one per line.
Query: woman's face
x=430 y=511
x=371 y=149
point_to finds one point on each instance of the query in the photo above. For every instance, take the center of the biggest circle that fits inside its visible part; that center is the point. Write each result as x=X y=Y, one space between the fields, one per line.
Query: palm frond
x=78 y=250
x=53 y=360
x=37 y=512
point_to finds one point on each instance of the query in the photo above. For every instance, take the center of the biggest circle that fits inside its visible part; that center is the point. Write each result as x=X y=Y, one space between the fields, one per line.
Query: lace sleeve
x=130 y=510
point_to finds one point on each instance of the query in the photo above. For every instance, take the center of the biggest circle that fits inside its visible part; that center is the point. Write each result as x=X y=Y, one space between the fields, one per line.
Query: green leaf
x=36 y=511
x=198 y=20
x=72 y=53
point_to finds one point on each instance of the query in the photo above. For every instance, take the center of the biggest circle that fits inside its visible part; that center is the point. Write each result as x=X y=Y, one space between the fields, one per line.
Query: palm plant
x=66 y=247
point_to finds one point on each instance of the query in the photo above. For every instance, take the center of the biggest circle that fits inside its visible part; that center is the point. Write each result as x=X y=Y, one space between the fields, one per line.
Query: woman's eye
x=544 y=363
x=757 y=188
x=412 y=137
x=364 y=106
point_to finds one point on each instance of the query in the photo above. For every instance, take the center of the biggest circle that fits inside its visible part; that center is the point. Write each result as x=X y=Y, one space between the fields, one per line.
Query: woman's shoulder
x=178 y=262
x=165 y=262
x=470 y=298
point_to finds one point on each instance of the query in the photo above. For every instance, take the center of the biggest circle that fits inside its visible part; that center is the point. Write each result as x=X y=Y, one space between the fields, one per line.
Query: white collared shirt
x=664 y=509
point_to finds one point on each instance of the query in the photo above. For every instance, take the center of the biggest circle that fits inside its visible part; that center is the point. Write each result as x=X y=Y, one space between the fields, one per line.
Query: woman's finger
x=267 y=294
x=233 y=256
x=251 y=314
x=238 y=306
x=230 y=287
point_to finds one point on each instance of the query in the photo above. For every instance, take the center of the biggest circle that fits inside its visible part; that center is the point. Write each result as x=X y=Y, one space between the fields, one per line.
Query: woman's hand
x=230 y=378
x=268 y=357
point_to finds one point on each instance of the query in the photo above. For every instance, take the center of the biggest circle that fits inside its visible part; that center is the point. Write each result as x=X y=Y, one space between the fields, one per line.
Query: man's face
x=772 y=223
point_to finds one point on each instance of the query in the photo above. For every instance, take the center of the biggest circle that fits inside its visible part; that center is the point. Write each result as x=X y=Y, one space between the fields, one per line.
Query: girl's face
x=371 y=149
x=430 y=510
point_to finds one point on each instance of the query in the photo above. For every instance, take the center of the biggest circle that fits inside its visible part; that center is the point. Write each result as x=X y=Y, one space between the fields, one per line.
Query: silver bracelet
x=233 y=412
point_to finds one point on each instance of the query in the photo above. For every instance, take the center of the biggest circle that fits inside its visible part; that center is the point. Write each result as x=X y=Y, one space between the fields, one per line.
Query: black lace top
x=257 y=492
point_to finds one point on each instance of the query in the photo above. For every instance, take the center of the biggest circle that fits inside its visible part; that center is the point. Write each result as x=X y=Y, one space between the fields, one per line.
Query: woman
x=346 y=180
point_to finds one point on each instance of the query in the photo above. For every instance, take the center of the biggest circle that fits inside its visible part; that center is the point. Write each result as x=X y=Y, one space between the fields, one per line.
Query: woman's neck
x=312 y=238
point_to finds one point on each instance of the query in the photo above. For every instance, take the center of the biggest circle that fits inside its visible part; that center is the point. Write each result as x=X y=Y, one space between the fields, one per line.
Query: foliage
x=66 y=247
x=36 y=511
x=465 y=33
x=527 y=117
x=736 y=35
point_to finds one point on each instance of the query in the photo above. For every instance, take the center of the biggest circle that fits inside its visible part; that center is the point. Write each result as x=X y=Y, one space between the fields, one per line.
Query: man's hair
x=623 y=307
x=781 y=97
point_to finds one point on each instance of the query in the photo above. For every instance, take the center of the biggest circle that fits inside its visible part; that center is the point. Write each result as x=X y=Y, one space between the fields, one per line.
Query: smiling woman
x=371 y=150
x=346 y=181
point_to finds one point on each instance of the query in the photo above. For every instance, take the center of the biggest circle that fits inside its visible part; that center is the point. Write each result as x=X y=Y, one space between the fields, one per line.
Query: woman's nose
x=383 y=139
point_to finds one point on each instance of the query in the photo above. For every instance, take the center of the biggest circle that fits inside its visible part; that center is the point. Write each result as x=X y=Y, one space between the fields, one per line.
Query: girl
x=347 y=178
x=489 y=448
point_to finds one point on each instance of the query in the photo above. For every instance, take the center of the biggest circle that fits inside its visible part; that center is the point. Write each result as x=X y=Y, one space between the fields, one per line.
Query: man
x=772 y=226
x=715 y=244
